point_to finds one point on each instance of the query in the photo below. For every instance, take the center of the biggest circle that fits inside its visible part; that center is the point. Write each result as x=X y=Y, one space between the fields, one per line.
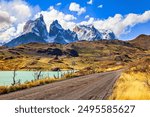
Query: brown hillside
x=142 y=41
x=77 y=55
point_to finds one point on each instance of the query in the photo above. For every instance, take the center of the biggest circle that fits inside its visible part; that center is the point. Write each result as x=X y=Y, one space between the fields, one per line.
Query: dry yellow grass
x=34 y=83
x=8 y=89
x=134 y=84
x=112 y=68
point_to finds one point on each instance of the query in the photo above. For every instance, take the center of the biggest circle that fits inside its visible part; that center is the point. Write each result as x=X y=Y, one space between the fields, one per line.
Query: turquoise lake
x=6 y=77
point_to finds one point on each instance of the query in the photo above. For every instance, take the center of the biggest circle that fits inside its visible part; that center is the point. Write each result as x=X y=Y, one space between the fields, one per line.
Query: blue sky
x=126 y=18
x=110 y=8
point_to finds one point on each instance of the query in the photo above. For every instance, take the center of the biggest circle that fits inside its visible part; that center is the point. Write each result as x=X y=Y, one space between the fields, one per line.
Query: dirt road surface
x=90 y=87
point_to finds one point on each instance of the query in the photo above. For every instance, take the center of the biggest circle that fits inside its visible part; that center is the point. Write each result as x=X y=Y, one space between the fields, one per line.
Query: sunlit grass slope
x=134 y=84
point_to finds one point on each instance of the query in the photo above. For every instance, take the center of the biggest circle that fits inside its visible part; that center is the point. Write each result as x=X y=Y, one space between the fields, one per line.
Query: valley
x=95 y=57
x=86 y=57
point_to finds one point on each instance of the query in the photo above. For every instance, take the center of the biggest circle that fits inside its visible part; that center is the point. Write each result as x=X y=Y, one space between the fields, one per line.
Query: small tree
x=73 y=64
x=58 y=74
x=14 y=77
x=55 y=77
x=37 y=75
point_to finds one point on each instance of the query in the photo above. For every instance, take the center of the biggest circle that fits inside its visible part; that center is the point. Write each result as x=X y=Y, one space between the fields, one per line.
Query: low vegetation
x=33 y=83
x=134 y=83
x=35 y=56
x=43 y=81
x=100 y=56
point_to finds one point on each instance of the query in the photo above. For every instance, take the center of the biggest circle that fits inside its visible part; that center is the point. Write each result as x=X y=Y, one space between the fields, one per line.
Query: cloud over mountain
x=14 y=14
x=66 y=20
x=77 y=8
x=5 y=19
x=119 y=24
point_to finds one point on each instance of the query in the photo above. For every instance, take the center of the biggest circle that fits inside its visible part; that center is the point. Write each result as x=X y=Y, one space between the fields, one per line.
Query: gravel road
x=90 y=87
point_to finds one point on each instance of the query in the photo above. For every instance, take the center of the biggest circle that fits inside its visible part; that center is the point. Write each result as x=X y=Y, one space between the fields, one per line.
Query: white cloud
x=6 y=20
x=13 y=14
x=119 y=24
x=89 y=22
x=87 y=16
x=77 y=8
x=100 y=6
x=90 y=2
x=18 y=9
x=69 y=17
x=5 y=17
x=5 y=36
x=12 y=23
x=51 y=8
x=58 y=4
x=66 y=20
x=11 y=32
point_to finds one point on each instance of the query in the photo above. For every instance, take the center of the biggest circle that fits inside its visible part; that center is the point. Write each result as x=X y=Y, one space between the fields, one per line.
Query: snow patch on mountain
x=107 y=34
x=37 y=27
x=90 y=33
x=59 y=35
x=36 y=31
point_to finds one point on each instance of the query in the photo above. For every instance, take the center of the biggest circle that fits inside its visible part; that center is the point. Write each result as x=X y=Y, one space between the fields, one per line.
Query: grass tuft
x=34 y=83
x=134 y=84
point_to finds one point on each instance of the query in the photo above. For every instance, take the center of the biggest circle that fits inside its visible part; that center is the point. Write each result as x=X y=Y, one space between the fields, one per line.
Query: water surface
x=6 y=77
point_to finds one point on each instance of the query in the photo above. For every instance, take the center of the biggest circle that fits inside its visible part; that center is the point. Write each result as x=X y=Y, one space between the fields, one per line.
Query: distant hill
x=142 y=41
x=46 y=56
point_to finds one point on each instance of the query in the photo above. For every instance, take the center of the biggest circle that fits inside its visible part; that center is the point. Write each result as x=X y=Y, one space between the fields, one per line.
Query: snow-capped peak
x=36 y=31
x=90 y=33
x=55 y=27
x=55 y=24
x=59 y=35
x=37 y=27
x=107 y=34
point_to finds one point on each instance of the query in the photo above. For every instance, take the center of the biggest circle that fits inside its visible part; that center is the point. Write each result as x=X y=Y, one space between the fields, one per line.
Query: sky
x=126 y=18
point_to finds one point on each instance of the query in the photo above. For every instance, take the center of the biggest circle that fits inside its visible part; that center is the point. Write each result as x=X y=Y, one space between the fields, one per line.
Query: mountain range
x=36 y=31
x=59 y=35
x=90 y=33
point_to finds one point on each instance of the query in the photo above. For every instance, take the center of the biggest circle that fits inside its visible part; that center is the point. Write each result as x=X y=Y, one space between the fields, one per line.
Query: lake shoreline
x=6 y=77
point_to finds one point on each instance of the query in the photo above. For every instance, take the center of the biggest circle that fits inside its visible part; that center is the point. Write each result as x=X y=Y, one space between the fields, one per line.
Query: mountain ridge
x=33 y=31
x=59 y=35
x=36 y=31
x=90 y=33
